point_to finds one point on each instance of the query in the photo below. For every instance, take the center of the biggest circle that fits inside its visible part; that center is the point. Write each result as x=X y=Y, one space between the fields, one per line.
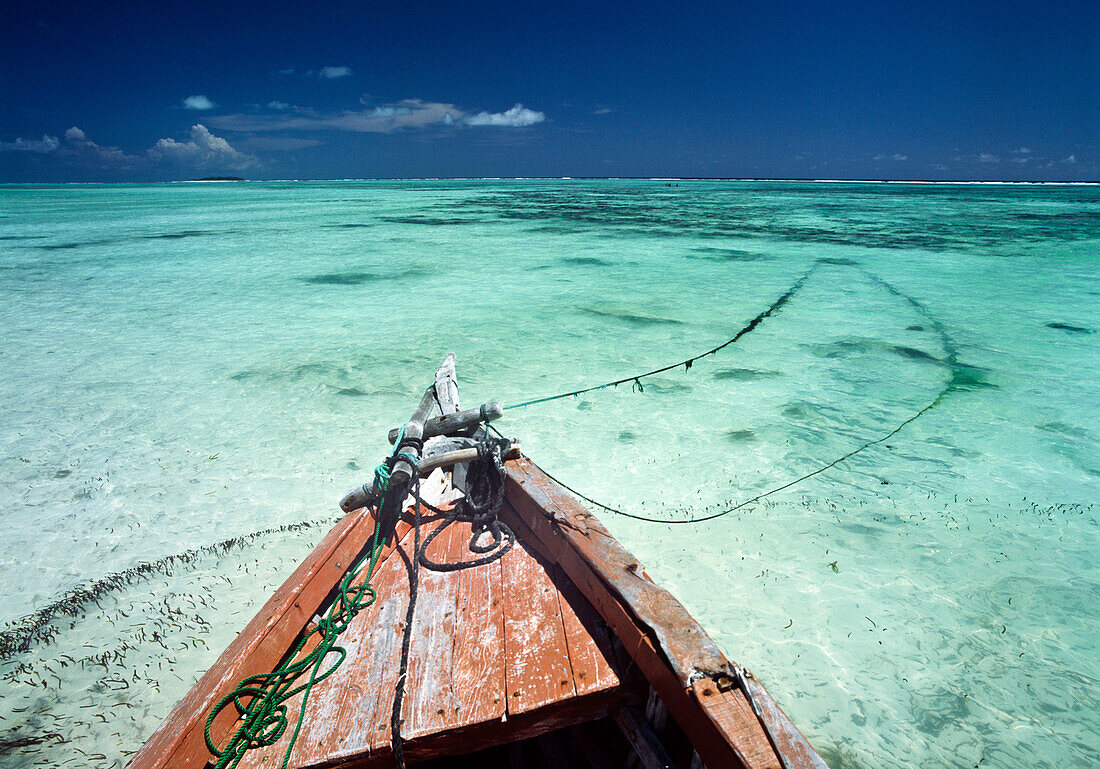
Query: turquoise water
x=185 y=365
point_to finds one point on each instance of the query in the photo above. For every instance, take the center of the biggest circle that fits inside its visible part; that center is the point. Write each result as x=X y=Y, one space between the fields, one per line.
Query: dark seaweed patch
x=839 y=261
x=941 y=711
x=914 y=354
x=556 y=229
x=344 y=278
x=728 y=254
x=744 y=374
x=6 y=746
x=740 y=436
x=667 y=386
x=967 y=377
x=865 y=346
x=359 y=278
x=1069 y=328
x=586 y=261
x=351 y=392
x=914 y=328
x=431 y=221
x=179 y=235
x=1064 y=429
x=131 y=239
x=627 y=437
x=25 y=632
x=77 y=244
x=811 y=410
x=842 y=347
x=633 y=318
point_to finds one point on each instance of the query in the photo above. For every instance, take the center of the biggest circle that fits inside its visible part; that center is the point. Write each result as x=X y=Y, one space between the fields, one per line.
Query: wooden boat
x=561 y=652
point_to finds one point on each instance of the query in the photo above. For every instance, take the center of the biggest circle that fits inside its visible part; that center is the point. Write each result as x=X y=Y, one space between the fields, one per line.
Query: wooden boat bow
x=564 y=644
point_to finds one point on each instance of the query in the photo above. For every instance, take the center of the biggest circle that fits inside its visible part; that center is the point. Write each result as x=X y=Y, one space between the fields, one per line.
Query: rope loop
x=260 y=700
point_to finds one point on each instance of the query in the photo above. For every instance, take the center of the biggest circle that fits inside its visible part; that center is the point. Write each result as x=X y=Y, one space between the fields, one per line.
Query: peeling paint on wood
x=536 y=666
x=731 y=712
x=429 y=704
x=478 y=676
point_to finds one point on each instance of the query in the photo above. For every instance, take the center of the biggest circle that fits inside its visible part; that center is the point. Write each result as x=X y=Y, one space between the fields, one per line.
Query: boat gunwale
x=670 y=647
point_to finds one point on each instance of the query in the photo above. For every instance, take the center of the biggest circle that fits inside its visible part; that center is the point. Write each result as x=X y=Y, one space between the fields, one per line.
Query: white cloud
x=987 y=157
x=385 y=118
x=280 y=105
x=85 y=151
x=1070 y=160
x=44 y=145
x=1023 y=151
x=516 y=117
x=198 y=102
x=203 y=149
x=602 y=111
x=896 y=156
x=287 y=71
x=333 y=73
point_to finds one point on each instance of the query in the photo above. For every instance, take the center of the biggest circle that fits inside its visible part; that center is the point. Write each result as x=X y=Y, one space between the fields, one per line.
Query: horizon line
x=576 y=178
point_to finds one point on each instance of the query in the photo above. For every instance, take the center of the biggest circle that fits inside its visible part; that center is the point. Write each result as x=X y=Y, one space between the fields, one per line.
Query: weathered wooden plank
x=528 y=510
x=403 y=471
x=731 y=712
x=588 y=644
x=272 y=755
x=797 y=752
x=556 y=715
x=368 y=695
x=319 y=732
x=645 y=743
x=327 y=696
x=365 y=712
x=683 y=646
x=478 y=675
x=688 y=648
x=260 y=646
x=536 y=654
x=446 y=387
x=458 y=421
x=429 y=704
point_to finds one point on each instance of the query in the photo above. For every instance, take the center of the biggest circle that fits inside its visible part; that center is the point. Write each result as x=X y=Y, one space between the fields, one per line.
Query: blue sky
x=920 y=90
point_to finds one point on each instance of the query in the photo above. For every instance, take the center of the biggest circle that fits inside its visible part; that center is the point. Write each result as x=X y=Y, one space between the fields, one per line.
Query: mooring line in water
x=636 y=379
x=35 y=627
x=950 y=349
x=758 y=497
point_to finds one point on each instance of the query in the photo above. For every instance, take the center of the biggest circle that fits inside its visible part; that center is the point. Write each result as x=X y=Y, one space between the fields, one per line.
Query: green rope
x=265 y=713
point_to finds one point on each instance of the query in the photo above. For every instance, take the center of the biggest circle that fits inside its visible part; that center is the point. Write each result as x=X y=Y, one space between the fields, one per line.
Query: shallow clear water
x=182 y=365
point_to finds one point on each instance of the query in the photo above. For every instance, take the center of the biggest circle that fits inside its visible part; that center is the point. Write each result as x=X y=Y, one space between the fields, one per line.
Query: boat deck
x=499 y=652
x=562 y=652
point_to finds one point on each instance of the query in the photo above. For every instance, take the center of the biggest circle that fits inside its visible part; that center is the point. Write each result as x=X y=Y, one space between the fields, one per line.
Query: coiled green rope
x=265 y=712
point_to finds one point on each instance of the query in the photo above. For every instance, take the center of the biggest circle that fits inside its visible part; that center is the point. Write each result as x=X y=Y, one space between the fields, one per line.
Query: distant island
x=219 y=179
